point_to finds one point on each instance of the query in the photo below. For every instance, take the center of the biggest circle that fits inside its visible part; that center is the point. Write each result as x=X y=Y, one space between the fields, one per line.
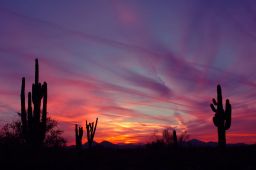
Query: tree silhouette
x=222 y=118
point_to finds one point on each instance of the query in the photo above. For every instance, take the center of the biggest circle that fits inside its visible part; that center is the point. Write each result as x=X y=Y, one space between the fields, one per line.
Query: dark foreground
x=243 y=158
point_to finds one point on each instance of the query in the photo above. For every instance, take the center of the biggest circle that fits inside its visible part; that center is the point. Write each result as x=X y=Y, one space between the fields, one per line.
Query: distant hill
x=190 y=143
x=198 y=143
x=107 y=144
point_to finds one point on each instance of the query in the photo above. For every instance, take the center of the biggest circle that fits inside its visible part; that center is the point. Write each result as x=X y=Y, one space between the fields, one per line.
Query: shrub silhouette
x=11 y=134
x=91 y=129
x=53 y=134
x=222 y=118
x=169 y=138
x=183 y=137
x=79 y=135
x=33 y=120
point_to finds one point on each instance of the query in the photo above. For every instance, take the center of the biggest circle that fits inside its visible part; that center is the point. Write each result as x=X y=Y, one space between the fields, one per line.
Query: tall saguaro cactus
x=222 y=118
x=79 y=135
x=34 y=119
x=91 y=129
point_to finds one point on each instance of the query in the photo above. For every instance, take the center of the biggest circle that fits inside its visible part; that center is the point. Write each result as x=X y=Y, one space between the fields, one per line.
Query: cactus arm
x=95 y=125
x=22 y=96
x=23 y=107
x=94 y=130
x=228 y=113
x=44 y=111
x=88 y=131
x=214 y=101
x=30 y=116
x=213 y=108
x=92 y=125
x=81 y=132
x=91 y=129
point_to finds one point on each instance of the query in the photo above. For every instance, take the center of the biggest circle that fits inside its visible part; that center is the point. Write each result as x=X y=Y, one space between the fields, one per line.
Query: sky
x=139 y=66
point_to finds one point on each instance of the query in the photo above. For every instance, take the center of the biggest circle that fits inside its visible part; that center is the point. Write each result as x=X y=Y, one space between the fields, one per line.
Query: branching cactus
x=79 y=135
x=222 y=118
x=91 y=129
x=34 y=119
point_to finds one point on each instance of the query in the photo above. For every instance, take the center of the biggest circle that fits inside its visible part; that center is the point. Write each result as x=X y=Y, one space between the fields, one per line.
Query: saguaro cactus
x=33 y=119
x=79 y=135
x=222 y=118
x=91 y=129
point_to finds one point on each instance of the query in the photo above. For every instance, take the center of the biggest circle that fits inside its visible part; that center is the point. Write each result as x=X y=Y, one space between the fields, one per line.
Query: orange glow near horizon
x=122 y=132
x=118 y=129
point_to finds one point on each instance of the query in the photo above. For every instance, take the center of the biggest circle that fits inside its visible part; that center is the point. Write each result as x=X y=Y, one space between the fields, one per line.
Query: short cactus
x=79 y=135
x=91 y=129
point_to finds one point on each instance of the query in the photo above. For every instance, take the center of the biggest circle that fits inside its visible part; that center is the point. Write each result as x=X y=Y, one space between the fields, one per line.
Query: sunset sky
x=138 y=65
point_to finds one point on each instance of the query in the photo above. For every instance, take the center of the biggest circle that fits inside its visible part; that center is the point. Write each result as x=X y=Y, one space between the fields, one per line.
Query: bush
x=11 y=133
x=167 y=138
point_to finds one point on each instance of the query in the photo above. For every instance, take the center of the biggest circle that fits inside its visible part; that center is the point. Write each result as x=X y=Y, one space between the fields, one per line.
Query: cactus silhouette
x=79 y=135
x=34 y=120
x=91 y=129
x=222 y=118
x=174 y=136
